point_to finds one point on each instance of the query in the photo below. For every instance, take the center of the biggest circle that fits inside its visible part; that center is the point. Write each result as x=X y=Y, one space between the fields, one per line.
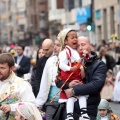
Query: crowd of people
x=68 y=74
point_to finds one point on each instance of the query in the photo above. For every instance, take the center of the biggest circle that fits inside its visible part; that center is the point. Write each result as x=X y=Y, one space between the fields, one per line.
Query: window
x=71 y=4
x=98 y=16
x=59 y=3
x=22 y=27
x=80 y=3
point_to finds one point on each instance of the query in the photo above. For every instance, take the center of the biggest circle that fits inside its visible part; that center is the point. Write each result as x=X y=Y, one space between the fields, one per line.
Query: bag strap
x=68 y=53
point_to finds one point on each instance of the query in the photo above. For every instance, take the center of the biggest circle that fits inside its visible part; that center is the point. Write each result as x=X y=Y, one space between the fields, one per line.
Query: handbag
x=58 y=113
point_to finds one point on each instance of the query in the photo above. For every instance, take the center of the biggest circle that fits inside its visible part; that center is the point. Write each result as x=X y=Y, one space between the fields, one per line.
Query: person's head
x=40 y=53
x=103 y=108
x=27 y=111
x=68 y=37
x=6 y=65
x=47 y=47
x=103 y=51
x=103 y=42
x=20 y=49
x=57 y=47
x=84 y=44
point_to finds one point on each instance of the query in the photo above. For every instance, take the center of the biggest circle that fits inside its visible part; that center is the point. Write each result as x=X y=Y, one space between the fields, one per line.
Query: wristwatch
x=73 y=92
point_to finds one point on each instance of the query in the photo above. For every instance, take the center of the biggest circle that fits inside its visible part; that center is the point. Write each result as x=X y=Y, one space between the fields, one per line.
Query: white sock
x=70 y=105
x=83 y=105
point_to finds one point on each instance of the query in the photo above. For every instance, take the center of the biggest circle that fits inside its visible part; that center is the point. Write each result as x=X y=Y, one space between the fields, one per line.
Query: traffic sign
x=82 y=14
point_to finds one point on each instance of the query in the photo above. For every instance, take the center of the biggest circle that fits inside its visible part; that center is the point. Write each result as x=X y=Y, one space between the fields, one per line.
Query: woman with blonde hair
x=106 y=58
x=27 y=111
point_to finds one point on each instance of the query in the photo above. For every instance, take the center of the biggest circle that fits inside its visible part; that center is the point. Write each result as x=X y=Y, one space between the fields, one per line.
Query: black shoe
x=69 y=116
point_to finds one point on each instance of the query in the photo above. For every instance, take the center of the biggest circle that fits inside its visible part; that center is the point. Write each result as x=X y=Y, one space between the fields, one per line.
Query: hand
x=74 y=68
x=5 y=108
x=69 y=92
x=74 y=83
x=16 y=68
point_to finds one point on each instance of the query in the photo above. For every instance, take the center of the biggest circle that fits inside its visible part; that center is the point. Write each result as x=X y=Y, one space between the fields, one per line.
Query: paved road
x=115 y=107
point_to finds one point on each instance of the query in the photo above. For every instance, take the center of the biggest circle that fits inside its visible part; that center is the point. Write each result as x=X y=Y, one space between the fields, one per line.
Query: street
x=115 y=107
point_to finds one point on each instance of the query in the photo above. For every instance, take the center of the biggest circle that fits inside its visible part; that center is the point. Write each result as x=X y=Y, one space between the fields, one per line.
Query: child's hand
x=74 y=68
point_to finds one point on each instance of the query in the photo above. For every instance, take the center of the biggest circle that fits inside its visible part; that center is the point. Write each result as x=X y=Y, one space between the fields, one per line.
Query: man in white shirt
x=13 y=89
x=48 y=87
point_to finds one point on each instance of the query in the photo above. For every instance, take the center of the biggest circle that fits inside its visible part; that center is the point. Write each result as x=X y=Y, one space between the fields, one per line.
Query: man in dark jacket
x=47 y=47
x=95 y=77
x=22 y=63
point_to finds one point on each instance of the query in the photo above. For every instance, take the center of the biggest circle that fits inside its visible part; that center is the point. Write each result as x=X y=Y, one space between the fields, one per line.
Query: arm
x=25 y=69
x=44 y=88
x=94 y=86
x=63 y=61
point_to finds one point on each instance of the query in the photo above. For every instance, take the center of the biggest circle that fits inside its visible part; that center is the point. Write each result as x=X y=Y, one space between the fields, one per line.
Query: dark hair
x=22 y=46
x=7 y=58
x=103 y=42
x=67 y=34
x=37 y=58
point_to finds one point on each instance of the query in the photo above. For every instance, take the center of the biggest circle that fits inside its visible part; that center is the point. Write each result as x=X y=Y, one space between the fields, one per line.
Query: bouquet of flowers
x=114 y=38
x=84 y=56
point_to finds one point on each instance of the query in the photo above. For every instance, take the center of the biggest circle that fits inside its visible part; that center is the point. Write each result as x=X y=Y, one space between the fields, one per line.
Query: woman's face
x=18 y=116
x=40 y=53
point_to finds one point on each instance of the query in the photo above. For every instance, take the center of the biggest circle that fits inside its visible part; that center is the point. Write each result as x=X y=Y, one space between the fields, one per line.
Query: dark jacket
x=37 y=74
x=24 y=66
x=95 y=79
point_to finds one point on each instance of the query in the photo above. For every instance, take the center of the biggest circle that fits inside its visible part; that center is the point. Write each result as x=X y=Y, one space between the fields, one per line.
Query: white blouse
x=63 y=60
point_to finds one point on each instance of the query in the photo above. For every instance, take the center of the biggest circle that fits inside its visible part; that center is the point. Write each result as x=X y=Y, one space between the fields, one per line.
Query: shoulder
x=19 y=80
x=53 y=58
x=61 y=54
x=98 y=64
x=40 y=59
x=51 y=61
x=25 y=57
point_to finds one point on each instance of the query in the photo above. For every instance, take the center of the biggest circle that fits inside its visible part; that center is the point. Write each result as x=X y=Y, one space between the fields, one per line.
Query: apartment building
x=107 y=19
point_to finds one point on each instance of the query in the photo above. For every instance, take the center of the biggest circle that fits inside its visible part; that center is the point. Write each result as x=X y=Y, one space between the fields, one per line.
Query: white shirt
x=64 y=60
x=19 y=58
x=103 y=59
x=48 y=79
x=20 y=88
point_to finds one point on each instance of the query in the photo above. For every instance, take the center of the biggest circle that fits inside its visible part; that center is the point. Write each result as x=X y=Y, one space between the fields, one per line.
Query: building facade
x=106 y=18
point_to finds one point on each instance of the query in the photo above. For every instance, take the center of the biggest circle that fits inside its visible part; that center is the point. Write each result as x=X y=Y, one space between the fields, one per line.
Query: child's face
x=72 y=39
x=102 y=112
x=18 y=116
